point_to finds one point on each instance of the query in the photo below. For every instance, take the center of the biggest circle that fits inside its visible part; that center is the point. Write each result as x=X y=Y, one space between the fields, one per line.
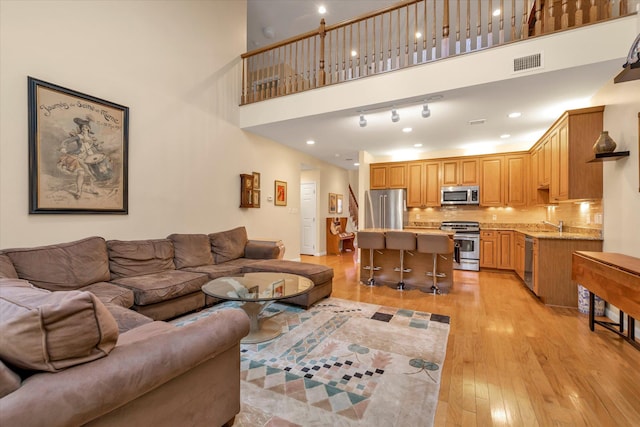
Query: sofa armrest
x=85 y=392
x=264 y=249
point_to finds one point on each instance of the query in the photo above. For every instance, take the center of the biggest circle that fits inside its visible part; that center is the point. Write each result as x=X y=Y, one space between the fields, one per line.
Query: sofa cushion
x=109 y=293
x=228 y=245
x=127 y=319
x=317 y=273
x=138 y=257
x=63 y=266
x=6 y=267
x=51 y=331
x=9 y=380
x=217 y=270
x=191 y=250
x=163 y=286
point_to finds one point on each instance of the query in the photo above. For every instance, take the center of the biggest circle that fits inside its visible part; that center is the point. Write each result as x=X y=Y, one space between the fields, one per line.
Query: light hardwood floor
x=510 y=359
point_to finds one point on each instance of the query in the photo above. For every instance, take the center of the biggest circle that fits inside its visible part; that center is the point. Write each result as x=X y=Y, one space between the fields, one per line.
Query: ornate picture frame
x=78 y=152
x=333 y=203
x=280 y=193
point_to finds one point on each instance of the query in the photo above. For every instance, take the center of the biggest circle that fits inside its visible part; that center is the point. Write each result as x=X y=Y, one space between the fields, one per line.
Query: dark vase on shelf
x=604 y=143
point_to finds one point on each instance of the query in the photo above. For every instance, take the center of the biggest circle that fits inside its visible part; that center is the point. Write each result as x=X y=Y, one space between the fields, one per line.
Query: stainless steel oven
x=466 y=252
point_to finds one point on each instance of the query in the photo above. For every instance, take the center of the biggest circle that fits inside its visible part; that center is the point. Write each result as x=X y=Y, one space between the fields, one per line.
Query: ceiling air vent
x=528 y=62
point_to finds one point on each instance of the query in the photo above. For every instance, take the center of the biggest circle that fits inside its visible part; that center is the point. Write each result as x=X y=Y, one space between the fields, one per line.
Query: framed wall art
x=280 y=193
x=339 y=203
x=256 y=180
x=333 y=203
x=77 y=152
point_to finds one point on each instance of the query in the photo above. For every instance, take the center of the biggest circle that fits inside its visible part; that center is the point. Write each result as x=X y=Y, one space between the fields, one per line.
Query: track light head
x=425 y=111
x=363 y=121
x=395 y=117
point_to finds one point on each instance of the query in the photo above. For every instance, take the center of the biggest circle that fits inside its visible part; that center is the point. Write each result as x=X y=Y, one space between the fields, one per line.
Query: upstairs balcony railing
x=409 y=33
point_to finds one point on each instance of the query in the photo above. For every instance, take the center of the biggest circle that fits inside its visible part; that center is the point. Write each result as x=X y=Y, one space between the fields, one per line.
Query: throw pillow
x=6 y=267
x=191 y=250
x=228 y=245
x=51 y=331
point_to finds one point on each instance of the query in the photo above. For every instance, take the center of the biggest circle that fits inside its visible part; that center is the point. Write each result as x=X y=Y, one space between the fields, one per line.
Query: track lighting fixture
x=363 y=121
x=394 y=116
x=426 y=112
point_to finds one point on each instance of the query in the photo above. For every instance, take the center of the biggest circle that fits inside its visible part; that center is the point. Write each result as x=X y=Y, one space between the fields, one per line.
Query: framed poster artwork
x=333 y=203
x=339 y=204
x=77 y=152
x=256 y=180
x=256 y=198
x=281 y=193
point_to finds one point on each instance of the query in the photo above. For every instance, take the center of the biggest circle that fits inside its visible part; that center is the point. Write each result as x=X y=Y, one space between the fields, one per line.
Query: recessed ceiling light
x=496 y=12
x=354 y=53
x=515 y=115
x=418 y=35
x=406 y=130
x=356 y=164
x=322 y=10
x=505 y=136
x=310 y=142
x=417 y=145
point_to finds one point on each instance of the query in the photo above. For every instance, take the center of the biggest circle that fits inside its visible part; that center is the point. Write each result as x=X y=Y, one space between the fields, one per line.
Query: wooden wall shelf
x=604 y=157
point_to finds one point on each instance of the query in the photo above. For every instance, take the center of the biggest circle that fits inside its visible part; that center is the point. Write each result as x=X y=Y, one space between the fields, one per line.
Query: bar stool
x=371 y=240
x=437 y=245
x=402 y=241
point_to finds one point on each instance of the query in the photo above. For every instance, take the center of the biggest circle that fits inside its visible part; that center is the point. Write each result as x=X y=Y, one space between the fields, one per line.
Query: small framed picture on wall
x=333 y=203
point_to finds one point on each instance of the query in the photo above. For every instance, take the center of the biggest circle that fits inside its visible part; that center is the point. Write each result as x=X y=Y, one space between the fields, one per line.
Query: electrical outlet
x=597 y=218
x=495 y=217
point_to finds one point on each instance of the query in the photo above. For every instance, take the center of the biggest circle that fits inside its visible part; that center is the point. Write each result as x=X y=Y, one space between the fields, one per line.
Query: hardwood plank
x=521 y=362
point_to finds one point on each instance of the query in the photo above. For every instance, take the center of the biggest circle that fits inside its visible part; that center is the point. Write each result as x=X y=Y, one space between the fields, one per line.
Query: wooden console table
x=616 y=279
x=336 y=235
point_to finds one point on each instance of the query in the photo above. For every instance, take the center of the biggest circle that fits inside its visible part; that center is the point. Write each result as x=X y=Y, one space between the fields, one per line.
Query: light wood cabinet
x=517 y=169
x=388 y=175
x=497 y=249
x=519 y=254
x=491 y=181
x=460 y=172
x=563 y=157
x=488 y=247
x=423 y=184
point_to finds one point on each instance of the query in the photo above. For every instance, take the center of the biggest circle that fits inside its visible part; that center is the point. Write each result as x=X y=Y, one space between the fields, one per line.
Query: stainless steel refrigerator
x=385 y=209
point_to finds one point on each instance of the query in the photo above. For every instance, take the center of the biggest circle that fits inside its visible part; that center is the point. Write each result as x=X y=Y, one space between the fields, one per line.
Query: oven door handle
x=456 y=252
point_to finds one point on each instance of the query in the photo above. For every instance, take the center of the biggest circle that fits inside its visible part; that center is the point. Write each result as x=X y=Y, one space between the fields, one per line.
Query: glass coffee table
x=257 y=291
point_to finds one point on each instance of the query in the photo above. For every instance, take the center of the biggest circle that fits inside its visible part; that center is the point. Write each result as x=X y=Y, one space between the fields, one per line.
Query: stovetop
x=460 y=226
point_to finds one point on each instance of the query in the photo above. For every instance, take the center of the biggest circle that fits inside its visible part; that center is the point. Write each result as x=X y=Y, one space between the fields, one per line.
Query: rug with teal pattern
x=343 y=363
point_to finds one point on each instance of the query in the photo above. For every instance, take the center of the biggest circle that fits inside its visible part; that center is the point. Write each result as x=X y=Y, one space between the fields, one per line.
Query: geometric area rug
x=342 y=363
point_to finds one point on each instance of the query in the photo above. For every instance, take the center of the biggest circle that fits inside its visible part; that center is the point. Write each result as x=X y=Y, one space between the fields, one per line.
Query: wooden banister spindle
x=350 y=71
x=579 y=13
x=624 y=8
x=433 y=33
x=524 y=25
x=243 y=95
x=513 y=20
x=424 y=32
x=344 y=55
x=358 y=49
x=550 y=24
x=415 y=34
x=564 y=18
x=373 y=52
x=457 y=27
x=445 y=30
x=490 y=25
x=593 y=12
x=468 y=33
x=323 y=34
x=366 y=47
x=390 y=39
x=538 y=26
x=479 y=26
x=399 y=42
x=501 y=23
x=608 y=9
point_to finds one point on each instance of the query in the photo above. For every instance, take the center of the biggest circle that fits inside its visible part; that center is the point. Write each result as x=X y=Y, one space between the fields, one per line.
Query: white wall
x=176 y=65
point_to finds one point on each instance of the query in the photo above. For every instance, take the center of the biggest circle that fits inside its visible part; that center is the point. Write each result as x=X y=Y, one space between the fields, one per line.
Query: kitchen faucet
x=559 y=226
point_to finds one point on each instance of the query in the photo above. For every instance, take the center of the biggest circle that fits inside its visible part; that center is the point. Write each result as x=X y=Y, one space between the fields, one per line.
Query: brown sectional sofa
x=149 y=372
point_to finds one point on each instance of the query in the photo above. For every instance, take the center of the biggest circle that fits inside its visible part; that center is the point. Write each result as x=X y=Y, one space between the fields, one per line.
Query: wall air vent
x=477 y=121
x=529 y=62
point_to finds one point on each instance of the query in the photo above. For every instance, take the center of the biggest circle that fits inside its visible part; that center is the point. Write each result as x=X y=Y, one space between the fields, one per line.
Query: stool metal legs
x=435 y=274
x=371 y=268
x=402 y=270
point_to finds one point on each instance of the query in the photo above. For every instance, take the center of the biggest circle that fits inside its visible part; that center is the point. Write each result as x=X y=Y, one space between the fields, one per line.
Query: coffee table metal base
x=260 y=329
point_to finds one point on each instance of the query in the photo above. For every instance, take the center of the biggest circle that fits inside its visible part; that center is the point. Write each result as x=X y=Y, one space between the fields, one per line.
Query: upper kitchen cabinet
x=423 y=184
x=565 y=149
x=492 y=181
x=516 y=174
x=388 y=175
x=460 y=172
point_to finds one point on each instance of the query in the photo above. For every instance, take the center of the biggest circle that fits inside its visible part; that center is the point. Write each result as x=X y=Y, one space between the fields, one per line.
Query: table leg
x=591 y=311
x=260 y=329
x=631 y=325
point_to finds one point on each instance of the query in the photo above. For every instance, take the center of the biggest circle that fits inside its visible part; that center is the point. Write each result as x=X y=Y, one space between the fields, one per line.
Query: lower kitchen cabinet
x=496 y=249
x=552 y=269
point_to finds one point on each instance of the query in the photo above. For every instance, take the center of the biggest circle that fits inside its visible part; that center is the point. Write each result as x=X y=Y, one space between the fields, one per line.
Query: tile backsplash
x=583 y=215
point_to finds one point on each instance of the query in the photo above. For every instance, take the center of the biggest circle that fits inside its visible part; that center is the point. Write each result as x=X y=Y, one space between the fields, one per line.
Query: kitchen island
x=419 y=263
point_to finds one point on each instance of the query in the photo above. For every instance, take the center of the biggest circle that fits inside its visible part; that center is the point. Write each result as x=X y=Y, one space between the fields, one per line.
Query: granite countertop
x=417 y=230
x=533 y=230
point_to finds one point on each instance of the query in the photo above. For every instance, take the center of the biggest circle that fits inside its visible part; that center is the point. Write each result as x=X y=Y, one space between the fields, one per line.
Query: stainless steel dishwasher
x=528 y=262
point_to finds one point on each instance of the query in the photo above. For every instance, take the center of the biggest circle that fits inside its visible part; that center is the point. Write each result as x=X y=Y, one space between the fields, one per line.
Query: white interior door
x=308 y=208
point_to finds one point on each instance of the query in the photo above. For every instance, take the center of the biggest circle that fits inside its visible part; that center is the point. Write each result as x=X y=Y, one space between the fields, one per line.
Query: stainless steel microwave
x=460 y=195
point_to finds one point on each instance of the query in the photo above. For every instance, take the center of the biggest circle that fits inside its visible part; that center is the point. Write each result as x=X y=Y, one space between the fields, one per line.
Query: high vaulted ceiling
x=448 y=127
